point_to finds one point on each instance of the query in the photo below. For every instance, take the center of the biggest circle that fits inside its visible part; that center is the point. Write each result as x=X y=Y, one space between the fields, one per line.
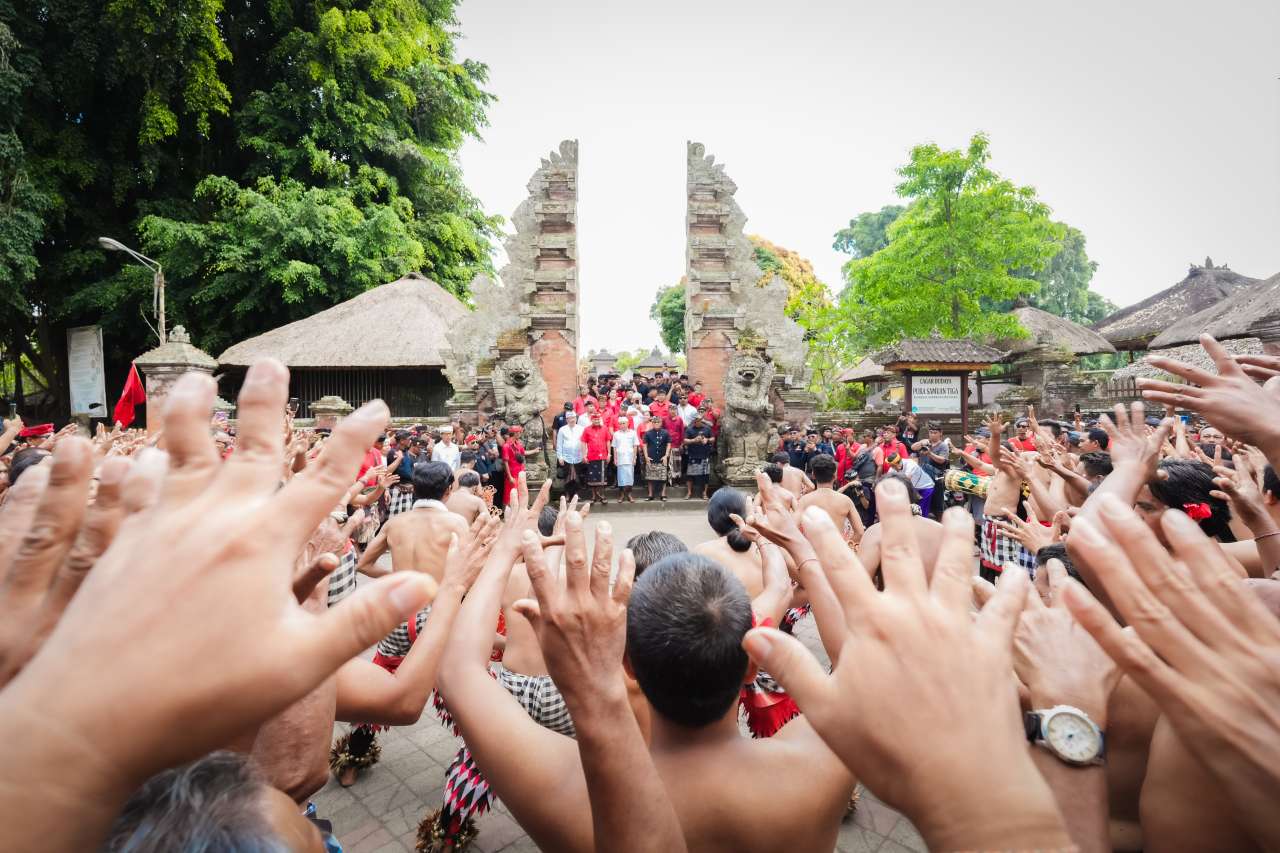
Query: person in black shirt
x=657 y=447
x=559 y=420
x=698 y=444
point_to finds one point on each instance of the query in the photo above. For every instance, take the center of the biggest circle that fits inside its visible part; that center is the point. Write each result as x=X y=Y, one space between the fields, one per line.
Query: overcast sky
x=1154 y=127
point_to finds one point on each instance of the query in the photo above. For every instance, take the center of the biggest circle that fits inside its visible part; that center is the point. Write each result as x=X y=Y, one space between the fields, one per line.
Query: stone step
x=642 y=505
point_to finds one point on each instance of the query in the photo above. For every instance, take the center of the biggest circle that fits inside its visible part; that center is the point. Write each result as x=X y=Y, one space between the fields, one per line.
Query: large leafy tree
x=667 y=311
x=1064 y=282
x=960 y=245
x=867 y=233
x=277 y=156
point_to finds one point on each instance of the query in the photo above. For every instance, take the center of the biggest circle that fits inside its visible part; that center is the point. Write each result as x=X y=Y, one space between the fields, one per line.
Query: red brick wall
x=708 y=362
x=559 y=364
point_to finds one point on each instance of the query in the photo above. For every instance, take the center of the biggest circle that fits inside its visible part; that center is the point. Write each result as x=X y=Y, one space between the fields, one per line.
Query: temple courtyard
x=381 y=812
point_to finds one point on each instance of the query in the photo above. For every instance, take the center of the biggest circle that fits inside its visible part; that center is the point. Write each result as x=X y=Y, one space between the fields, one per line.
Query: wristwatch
x=1068 y=733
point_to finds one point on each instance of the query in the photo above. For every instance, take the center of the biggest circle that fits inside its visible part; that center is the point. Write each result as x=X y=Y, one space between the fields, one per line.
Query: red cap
x=37 y=430
x=516 y=430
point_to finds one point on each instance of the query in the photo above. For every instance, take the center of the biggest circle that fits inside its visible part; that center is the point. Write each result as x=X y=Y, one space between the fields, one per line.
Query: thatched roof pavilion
x=385 y=343
x=1192 y=354
x=1253 y=312
x=865 y=371
x=1052 y=335
x=1133 y=328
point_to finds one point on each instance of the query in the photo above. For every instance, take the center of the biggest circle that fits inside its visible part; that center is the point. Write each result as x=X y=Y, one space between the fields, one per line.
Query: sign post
x=86 y=373
x=939 y=394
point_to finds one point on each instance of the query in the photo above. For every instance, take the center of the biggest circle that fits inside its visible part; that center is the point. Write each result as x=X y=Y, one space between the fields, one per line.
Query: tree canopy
x=965 y=234
x=276 y=156
x=868 y=232
x=667 y=311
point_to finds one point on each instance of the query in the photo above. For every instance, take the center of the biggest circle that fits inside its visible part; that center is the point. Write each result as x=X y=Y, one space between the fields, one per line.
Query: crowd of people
x=183 y=626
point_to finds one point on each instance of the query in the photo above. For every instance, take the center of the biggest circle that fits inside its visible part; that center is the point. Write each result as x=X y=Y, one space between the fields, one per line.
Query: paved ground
x=381 y=812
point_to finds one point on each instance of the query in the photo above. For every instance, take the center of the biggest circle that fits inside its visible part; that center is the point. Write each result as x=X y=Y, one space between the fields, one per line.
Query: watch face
x=1072 y=737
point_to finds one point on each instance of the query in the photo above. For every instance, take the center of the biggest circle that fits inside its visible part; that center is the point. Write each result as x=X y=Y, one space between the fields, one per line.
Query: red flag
x=134 y=394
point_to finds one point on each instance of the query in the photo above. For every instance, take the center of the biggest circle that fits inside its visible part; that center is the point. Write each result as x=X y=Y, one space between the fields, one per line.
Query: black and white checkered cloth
x=343 y=580
x=397 y=643
x=540 y=698
x=400 y=500
x=998 y=550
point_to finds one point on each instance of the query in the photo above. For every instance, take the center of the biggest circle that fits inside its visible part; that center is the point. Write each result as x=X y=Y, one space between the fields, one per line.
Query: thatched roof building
x=960 y=353
x=1051 y=334
x=1134 y=327
x=655 y=360
x=385 y=343
x=1192 y=354
x=401 y=324
x=865 y=371
x=1253 y=312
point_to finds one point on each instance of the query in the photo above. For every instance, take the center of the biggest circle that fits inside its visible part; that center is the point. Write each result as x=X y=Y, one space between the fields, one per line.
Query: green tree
x=277 y=156
x=1064 y=282
x=956 y=248
x=867 y=233
x=667 y=311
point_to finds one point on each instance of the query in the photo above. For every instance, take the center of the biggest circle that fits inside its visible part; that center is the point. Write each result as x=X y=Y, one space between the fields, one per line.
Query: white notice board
x=86 y=372
x=935 y=395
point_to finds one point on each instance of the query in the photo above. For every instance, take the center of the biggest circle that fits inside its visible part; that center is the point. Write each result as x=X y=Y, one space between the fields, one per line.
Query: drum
x=965 y=481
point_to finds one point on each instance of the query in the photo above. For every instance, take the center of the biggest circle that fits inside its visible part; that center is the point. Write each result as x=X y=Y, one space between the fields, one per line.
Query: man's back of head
x=685 y=623
x=649 y=548
x=431 y=480
x=823 y=468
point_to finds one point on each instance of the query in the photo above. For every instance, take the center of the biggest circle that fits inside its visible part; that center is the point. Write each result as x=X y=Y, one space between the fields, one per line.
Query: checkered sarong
x=699 y=467
x=674 y=462
x=397 y=644
x=400 y=500
x=466 y=792
x=997 y=549
x=343 y=580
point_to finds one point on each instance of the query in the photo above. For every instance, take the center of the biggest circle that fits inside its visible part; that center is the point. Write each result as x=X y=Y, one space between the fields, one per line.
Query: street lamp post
x=157 y=279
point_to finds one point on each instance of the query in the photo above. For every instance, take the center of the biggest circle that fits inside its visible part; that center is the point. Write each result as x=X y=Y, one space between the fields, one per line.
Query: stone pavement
x=381 y=812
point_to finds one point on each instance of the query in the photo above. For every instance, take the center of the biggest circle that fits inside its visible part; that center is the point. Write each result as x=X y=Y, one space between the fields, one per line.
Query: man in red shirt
x=1024 y=440
x=374 y=457
x=887 y=446
x=512 y=459
x=696 y=397
x=596 y=441
x=580 y=403
x=661 y=407
x=674 y=424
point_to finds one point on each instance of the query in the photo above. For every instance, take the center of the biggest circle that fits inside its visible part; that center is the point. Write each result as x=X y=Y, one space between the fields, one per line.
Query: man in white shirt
x=920 y=481
x=687 y=412
x=569 y=454
x=625 y=440
x=446 y=451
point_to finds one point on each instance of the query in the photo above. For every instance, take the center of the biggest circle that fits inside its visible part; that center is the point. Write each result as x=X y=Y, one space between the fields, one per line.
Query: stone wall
x=727 y=305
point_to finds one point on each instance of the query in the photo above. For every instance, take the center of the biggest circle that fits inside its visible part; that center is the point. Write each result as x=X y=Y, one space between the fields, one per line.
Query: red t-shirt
x=597 y=439
x=509 y=452
x=674 y=425
x=661 y=409
x=372 y=459
x=695 y=399
x=1024 y=444
x=580 y=404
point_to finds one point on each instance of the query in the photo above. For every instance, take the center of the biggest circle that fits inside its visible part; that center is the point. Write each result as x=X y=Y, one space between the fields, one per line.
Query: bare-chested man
x=419 y=539
x=731 y=793
x=731 y=548
x=838 y=505
x=465 y=500
x=1003 y=492
x=794 y=480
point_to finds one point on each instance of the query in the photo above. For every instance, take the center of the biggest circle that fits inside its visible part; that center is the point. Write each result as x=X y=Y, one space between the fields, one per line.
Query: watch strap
x=1031 y=721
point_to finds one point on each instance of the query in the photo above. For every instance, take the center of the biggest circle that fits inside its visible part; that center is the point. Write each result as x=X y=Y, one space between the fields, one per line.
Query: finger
x=540 y=574
x=342 y=632
x=56 y=523
x=1125 y=647
x=306 y=582
x=983 y=590
x=544 y=495
x=899 y=552
x=259 y=455
x=602 y=560
x=1222 y=359
x=575 y=554
x=838 y=571
x=953 y=568
x=529 y=609
x=1113 y=562
x=142 y=484
x=1058 y=576
x=1178 y=368
x=1000 y=615
x=522 y=490
x=102 y=520
x=788 y=661
x=20 y=508
x=298 y=507
x=193 y=457
x=1212 y=601
x=626 y=577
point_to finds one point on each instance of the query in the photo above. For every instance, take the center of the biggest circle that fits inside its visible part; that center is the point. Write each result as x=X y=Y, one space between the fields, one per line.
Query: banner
x=935 y=395
x=86 y=373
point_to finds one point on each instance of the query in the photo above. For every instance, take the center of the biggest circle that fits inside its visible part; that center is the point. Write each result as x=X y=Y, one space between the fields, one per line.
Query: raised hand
x=1200 y=643
x=1260 y=367
x=172 y=620
x=913 y=654
x=49 y=539
x=1030 y=532
x=1130 y=443
x=467 y=557
x=1230 y=400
